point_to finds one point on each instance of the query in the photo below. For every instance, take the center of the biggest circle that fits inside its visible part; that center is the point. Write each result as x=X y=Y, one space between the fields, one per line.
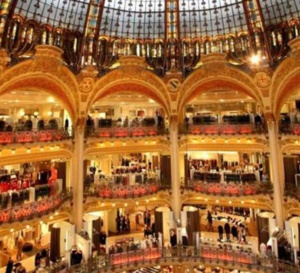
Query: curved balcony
x=230 y=189
x=193 y=256
x=121 y=132
x=289 y=129
x=114 y=191
x=34 y=209
x=223 y=129
x=13 y=137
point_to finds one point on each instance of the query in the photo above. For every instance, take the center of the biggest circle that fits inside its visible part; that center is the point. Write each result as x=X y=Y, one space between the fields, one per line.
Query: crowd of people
x=30 y=124
x=234 y=231
x=123 y=223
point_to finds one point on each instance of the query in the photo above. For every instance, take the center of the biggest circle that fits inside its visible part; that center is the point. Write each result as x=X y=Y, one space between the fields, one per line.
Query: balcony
x=125 y=132
x=223 y=129
x=33 y=136
x=205 y=255
x=289 y=129
x=120 y=191
x=231 y=188
x=35 y=209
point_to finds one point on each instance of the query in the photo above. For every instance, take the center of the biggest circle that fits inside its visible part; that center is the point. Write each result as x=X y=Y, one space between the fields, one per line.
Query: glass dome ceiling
x=167 y=33
x=148 y=18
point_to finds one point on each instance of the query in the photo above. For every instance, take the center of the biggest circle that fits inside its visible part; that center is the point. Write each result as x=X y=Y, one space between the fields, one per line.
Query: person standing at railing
x=209 y=221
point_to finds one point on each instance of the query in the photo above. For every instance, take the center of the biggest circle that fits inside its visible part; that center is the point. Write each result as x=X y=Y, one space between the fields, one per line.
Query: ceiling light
x=255 y=59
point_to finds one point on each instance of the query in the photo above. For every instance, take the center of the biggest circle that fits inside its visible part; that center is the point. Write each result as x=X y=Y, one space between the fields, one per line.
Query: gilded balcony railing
x=14 y=137
x=34 y=209
x=203 y=256
x=125 y=132
x=223 y=129
x=230 y=189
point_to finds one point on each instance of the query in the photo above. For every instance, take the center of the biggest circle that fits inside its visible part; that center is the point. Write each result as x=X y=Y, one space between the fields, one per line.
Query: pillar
x=77 y=177
x=275 y=167
x=176 y=197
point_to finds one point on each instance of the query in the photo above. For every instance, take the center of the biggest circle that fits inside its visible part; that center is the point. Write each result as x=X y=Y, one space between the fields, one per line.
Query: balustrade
x=33 y=136
x=239 y=189
x=205 y=255
x=34 y=209
x=118 y=132
x=223 y=129
x=112 y=191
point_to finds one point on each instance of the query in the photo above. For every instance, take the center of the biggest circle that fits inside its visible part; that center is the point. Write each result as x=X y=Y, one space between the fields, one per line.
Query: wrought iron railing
x=223 y=129
x=115 y=191
x=229 y=189
x=11 y=137
x=203 y=255
x=118 y=131
x=34 y=209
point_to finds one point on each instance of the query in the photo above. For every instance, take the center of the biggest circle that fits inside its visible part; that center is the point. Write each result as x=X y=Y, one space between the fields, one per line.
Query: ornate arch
x=217 y=76
x=286 y=83
x=290 y=147
x=134 y=78
x=45 y=73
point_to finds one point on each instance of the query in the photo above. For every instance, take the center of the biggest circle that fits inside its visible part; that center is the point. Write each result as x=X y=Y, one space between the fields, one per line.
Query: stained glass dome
x=97 y=32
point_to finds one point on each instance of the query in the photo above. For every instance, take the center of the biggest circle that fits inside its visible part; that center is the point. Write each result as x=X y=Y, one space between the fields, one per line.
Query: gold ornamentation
x=86 y=84
x=174 y=84
x=262 y=79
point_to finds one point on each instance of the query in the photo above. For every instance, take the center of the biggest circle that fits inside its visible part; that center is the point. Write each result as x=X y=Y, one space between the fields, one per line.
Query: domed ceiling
x=147 y=18
x=96 y=32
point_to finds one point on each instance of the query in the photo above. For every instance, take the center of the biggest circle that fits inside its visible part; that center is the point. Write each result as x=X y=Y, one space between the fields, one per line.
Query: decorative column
x=77 y=175
x=275 y=166
x=176 y=198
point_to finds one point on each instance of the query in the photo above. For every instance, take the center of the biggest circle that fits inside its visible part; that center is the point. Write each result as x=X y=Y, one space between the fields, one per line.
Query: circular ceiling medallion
x=262 y=79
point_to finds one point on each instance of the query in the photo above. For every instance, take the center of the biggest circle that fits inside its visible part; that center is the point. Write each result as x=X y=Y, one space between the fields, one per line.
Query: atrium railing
x=229 y=189
x=204 y=255
x=116 y=132
x=10 y=137
x=114 y=191
x=223 y=129
x=34 y=209
x=289 y=128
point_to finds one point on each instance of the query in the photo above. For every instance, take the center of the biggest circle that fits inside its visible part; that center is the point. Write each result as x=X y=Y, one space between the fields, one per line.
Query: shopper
x=234 y=232
x=227 y=231
x=9 y=265
x=242 y=234
x=209 y=221
x=220 y=231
